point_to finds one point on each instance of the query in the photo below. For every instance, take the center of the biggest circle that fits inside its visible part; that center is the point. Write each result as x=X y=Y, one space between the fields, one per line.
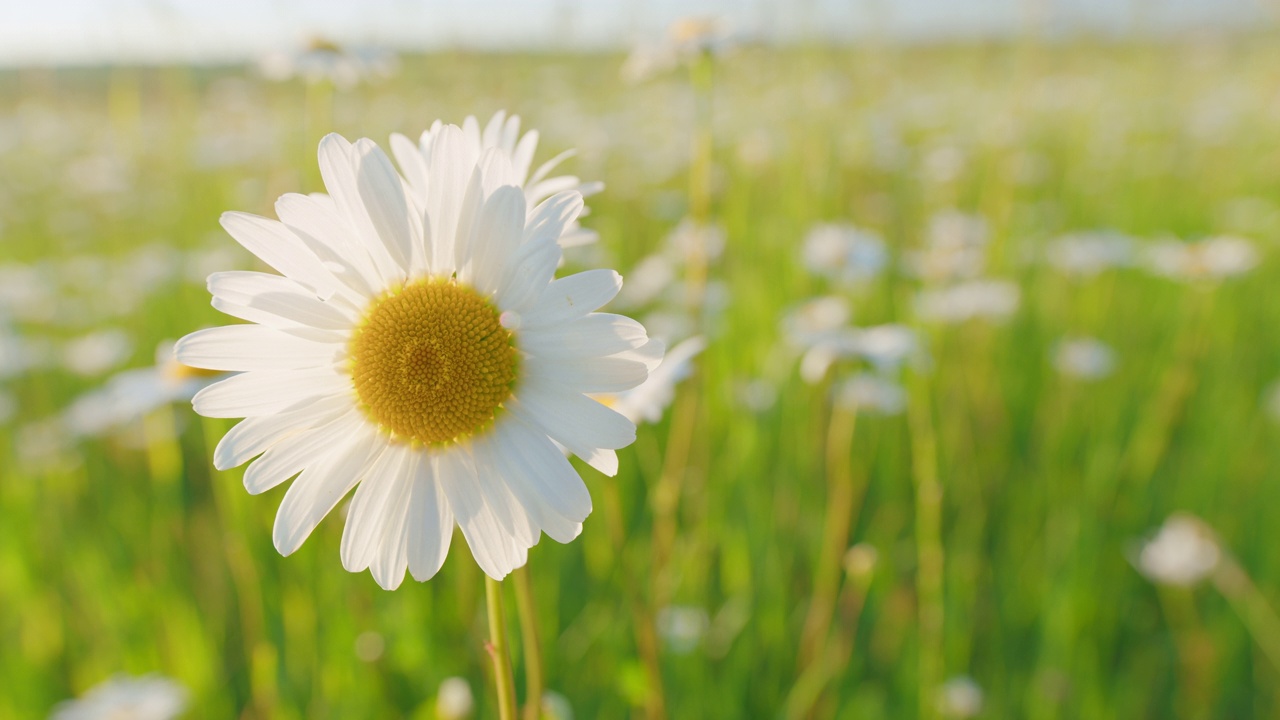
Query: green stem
x=924 y=466
x=1252 y=607
x=498 y=650
x=532 y=644
x=841 y=495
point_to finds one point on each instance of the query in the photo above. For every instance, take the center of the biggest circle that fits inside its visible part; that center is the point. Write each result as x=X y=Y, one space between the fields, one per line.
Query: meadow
x=995 y=487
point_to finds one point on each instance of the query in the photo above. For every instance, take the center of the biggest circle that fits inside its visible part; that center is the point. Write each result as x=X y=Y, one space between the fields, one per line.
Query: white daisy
x=150 y=697
x=503 y=133
x=418 y=346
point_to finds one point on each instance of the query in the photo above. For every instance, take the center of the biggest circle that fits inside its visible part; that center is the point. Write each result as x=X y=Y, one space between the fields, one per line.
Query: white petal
x=522 y=157
x=513 y=517
x=573 y=420
x=370 y=508
x=382 y=194
x=261 y=392
x=528 y=274
x=290 y=455
x=272 y=241
x=430 y=522
x=274 y=301
x=589 y=375
x=452 y=162
x=469 y=218
x=340 y=168
x=315 y=220
x=549 y=219
x=516 y=455
x=596 y=335
x=251 y=347
x=572 y=297
x=495 y=552
x=255 y=435
x=550 y=473
x=496 y=237
x=545 y=168
x=320 y=486
x=412 y=164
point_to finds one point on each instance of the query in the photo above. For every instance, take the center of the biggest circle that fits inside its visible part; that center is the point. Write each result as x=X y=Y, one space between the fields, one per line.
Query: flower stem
x=531 y=643
x=1251 y=605
x=498 y=650
x=929 y=553
x=841 y=496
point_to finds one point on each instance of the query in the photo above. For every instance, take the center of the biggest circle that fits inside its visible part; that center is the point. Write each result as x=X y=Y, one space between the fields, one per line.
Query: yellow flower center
x=431 y=362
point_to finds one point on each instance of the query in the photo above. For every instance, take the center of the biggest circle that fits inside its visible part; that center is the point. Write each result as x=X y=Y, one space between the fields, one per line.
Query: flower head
x=418 y=348
x=1183 y=552
x=149 y=697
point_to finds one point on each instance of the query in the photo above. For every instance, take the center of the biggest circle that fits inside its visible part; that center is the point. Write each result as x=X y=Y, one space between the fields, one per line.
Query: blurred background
x=987 y=422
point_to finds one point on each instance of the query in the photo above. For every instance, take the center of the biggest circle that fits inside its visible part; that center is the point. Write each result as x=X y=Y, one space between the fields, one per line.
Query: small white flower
x=454 y=700
x=1217 y=258
x=1090 y=253
x=1182 y=553
x=322 y=60
x=815 y=319
x=954 y=248
x=977 y=299
x=150 y=697
x=844 y=253
x=131 y=394
x=1084 y=358
x=866 y=392
x=96 y=352
x=556 y=706
x=682 y=628
x=960 y=697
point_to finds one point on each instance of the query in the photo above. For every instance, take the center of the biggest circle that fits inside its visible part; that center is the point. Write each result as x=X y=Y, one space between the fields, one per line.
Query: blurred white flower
x=867 y=392
x=815 y=320
x=324 y=60
x=992 y=299
x=18 y=354
x=1217 y=258
x=885 y=346
x=149 y=697
x=688 y=237
x=646 y=281
x=686 y=39
x=1084 y=358
x=1182 y=553
x=860 y=561
x=1271 y=401
x=131 y=394
x=954 y=248
x=556 y=706
x=960 y=697
x=844 y=253
x=1090 y=253
x=454 y=700
x=97 y=352
x=682 y=628
x=647 y=401
x=370 y=645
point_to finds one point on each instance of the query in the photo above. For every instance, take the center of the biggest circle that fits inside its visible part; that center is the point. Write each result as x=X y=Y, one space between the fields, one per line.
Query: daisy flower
x=502 y=133
x=150 y=697
x=418 y=348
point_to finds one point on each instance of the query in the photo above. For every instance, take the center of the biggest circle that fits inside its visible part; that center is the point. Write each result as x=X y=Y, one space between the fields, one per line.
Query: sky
x=104 y=31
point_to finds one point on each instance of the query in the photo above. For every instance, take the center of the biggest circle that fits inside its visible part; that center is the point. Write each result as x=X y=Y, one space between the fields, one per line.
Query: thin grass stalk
x=929 y=552
x=499 y=650
x=841 y=495
x=530 y=642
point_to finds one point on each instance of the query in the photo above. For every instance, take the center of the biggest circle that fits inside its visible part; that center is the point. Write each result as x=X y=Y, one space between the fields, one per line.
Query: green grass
x=117 y=556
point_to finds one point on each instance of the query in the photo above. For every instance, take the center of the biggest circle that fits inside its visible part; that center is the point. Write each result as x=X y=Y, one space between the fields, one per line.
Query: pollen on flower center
x=431 y=362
